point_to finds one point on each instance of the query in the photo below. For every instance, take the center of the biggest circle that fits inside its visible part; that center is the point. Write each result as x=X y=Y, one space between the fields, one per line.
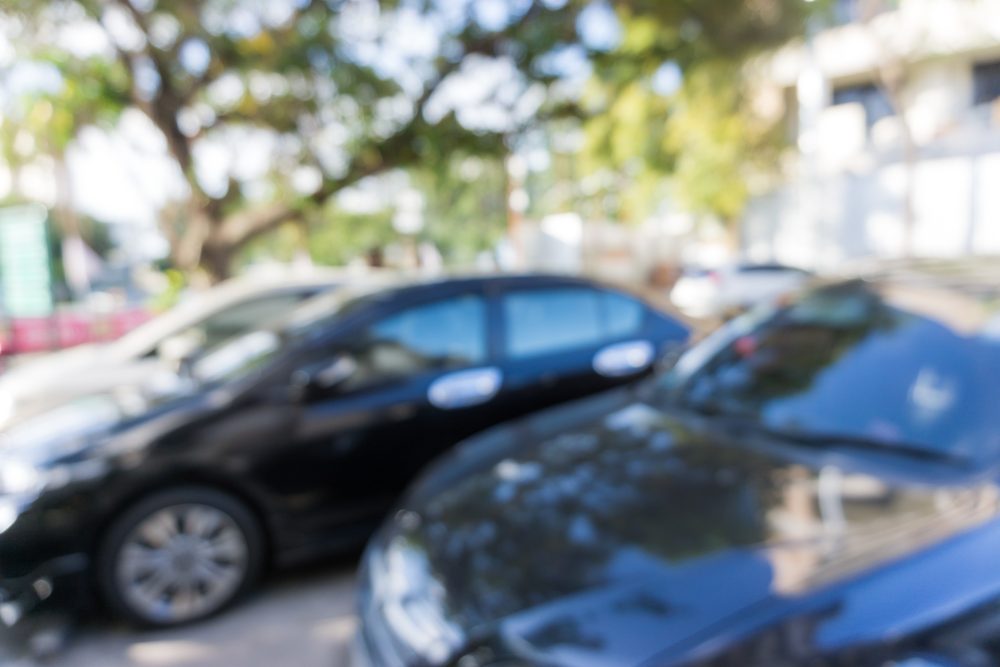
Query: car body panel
x=318 y=466
x=753 y=526
x=802 y=487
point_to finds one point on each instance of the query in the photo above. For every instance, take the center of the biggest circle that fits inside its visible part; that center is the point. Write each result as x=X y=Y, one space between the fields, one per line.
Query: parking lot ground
x=303 y=618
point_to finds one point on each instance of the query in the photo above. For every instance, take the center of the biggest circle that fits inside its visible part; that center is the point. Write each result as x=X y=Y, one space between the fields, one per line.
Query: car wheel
x=179 y=556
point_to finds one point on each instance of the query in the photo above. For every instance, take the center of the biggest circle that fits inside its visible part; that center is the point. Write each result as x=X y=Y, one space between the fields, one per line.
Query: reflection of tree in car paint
x=644 y=495
x=845 y=363
x=585 y=516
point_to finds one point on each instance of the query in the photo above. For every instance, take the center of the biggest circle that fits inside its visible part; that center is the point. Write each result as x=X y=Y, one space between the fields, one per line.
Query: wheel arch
x=184 y=476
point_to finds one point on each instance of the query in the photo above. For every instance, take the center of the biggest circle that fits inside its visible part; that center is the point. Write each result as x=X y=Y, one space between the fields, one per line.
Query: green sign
x=25 y=280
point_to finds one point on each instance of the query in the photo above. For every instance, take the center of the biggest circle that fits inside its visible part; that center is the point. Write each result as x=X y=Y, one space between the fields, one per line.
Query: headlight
x=18 y=478
x=409 y=602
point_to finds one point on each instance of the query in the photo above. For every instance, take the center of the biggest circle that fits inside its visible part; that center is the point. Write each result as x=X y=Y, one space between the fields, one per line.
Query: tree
x=721 y=144
x=463 y=213
x=53 y=118
x=676 y=108
x=334 y=87
x=341 y=90
x=465 y=209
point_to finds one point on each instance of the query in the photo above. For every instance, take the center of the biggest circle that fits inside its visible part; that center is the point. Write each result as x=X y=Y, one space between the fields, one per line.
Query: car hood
x=57 y=373
x=74 y=423
x=609 y=530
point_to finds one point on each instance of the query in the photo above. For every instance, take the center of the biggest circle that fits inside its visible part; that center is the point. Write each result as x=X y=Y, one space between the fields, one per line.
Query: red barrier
x=67 y=329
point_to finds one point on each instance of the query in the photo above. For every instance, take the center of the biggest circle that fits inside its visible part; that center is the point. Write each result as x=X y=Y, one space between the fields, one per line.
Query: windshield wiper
x=743 y=424
x=841 y=440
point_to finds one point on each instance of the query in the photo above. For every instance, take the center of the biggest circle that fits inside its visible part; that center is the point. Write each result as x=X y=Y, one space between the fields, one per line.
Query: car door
x=418 y=379
x=564 y=342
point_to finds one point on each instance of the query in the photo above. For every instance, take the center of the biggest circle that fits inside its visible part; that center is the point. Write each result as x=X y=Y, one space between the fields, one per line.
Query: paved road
x=305 y=619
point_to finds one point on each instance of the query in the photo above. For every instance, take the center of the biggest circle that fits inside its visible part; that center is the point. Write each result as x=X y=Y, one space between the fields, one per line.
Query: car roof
x=767 y=266
x=962 y=294
x=408 y=287
x=461 y=282
x=970 y=275
x=202 y=304
x=388 y=291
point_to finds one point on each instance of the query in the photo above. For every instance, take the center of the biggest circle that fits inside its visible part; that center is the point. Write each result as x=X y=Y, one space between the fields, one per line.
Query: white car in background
x=718 y=292
x=202 y=321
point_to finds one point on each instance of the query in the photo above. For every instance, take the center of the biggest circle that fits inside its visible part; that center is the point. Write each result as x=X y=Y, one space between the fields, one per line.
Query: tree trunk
x=189 y=243
x=217 y=262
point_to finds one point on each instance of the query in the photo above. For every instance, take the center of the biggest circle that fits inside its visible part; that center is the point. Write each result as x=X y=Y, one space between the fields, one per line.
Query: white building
x=845 y=192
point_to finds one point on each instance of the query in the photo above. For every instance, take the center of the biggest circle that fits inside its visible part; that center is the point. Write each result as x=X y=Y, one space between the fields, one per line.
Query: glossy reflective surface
x=857 y=361
x=316 y=426
x=644 y=529
x=731 y=511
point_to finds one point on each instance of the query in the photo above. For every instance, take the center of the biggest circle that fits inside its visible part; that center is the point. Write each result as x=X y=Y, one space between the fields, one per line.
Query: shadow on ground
x=303 y=618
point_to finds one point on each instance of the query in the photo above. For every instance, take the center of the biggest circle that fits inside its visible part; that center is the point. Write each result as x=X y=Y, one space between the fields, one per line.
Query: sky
x=123 y=175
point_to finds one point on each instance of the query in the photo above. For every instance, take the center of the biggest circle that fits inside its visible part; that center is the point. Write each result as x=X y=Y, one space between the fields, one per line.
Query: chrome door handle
x=623 y=359
x=463 y=389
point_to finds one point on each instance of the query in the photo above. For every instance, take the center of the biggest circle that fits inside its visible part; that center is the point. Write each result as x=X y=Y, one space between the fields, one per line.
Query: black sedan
x=293 y=441
x=814 y=484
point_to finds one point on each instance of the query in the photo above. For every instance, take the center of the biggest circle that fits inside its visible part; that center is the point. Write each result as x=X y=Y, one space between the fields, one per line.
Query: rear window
x=550 y=321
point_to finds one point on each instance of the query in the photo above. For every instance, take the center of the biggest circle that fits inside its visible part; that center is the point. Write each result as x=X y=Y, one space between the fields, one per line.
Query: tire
x=179 y=556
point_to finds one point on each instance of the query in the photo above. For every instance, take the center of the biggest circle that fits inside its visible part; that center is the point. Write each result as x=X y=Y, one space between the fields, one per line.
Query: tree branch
x=166 y=103
x=392 y=152
x=154 y=54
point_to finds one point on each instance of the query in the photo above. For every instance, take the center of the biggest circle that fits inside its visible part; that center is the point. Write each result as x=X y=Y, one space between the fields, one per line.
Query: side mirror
x=325 y=376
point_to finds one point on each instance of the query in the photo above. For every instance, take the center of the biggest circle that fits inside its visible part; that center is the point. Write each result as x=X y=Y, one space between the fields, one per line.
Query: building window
x=872 y=99
x=985 y=82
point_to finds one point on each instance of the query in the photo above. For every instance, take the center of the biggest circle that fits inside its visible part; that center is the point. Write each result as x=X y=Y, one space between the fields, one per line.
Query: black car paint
x=319 y=469
x=657 y=535
x=632 y=529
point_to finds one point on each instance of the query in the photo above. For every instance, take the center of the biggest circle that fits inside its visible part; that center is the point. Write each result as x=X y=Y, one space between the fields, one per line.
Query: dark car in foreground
x=813 y=484
x=289 y=442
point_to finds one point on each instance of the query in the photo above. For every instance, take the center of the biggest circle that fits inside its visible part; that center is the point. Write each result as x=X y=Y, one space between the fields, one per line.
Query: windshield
x=238 y=358
x=144 y=338
x=843 y=362
x=244 y=355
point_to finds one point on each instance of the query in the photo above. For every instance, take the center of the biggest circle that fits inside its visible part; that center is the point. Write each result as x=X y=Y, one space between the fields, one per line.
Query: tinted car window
x=242 y=317
x=553 y=320
x=442 y=335
x=623 y=315
x=843 y=362
x=238 y=357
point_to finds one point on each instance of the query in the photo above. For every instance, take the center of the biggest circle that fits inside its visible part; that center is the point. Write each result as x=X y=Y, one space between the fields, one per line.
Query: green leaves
x=701 y=139
x=347 y=89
